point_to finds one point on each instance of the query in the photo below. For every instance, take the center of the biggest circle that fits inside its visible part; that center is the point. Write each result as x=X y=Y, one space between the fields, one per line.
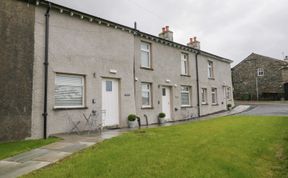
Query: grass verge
x=9 y=149
x=232 y=146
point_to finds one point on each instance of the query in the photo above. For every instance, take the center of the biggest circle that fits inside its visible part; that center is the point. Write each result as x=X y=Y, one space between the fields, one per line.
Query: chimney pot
x=195 y=38
x=191 y=40
x=163 y=29
x=167 y=28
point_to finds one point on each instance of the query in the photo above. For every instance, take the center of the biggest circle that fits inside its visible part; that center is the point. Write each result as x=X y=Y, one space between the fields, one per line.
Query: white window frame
x=189 y=95
x=210 y=70
x=228 y=93
x=146 y=51
x=184 y=64
x=204 y=95
x=260 y=72
x=149 y=91
x=214 y=93
x=83 y=90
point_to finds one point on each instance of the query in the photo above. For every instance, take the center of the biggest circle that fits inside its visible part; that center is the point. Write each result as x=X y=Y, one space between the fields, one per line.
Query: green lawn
x=234 y=146
x=14 y=148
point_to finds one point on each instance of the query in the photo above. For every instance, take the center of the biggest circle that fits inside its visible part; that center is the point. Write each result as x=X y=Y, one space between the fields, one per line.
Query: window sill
x=147 y=68
x=184 y=75
x=148 y=107
x=215 y=104
x=186 y=106
x=63 y=108
x=204 y=104
x=211 y=78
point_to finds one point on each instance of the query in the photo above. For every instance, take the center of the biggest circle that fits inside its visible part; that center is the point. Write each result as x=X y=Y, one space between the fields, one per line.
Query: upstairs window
x=185 y=96
x=184 y=64
x=69 y=91
x=145 y=55
x=260 y=72
x=210 y=69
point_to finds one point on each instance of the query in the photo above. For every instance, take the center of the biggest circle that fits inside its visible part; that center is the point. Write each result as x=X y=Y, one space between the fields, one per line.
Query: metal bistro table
x=94 y=121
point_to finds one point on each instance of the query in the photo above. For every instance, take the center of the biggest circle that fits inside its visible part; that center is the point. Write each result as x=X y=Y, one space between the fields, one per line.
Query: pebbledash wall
x=92 y=48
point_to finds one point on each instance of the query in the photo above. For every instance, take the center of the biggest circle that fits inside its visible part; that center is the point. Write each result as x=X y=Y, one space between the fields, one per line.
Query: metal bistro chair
x=97 y=119
x=74 y=124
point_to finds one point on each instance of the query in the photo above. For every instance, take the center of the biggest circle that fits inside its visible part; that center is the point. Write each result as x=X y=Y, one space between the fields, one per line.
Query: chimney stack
x=286 y=58
x=166 y=34
x=193 y=43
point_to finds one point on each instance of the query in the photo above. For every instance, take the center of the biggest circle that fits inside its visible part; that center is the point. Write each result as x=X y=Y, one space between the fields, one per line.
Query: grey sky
x=229 y=28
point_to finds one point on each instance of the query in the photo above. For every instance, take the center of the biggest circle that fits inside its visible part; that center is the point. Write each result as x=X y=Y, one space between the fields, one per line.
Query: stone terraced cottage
x=260 y=77
x=59 y=63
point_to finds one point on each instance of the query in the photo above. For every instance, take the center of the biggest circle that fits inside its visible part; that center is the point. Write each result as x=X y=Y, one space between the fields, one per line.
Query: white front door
x=110 y=102
x=166 y=102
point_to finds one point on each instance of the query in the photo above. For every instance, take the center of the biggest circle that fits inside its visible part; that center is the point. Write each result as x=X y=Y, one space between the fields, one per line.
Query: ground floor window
x=214 y=96
x=228 y=93
x=146 y=94
x=69 y=91
x=204 y=96
x=185 y=96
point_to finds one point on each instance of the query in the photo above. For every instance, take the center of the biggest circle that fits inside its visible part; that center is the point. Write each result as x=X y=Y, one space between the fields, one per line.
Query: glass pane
x=145 y=46
x=68 y=95
x=108 y=86
x=185 y=99
x=145 y=98
x=145 y=59
x=68 y=80
x=163 y=91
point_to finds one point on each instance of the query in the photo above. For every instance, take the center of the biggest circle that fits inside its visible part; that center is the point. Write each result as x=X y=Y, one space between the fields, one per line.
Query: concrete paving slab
x=52 y=156
x=21 y=169
x=28 y=156
x=74 y=147
x=57 y=145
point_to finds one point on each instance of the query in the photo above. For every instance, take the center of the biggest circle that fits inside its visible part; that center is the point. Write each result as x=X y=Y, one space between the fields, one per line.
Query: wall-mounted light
x=81 y=16
x=37 y=3
x=136 y=79
x=168 y=81
x=71 y=13
x=61 y=10
x=99 y=22
x=175 y=85
x=91 y=20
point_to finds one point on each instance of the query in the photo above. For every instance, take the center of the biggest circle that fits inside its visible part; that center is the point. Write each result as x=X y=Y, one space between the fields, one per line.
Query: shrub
x=132 y=117
x=229 y=106
x=161 y=115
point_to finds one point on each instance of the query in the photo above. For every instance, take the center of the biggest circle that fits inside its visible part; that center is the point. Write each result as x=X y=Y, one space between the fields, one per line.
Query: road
x=267 y=109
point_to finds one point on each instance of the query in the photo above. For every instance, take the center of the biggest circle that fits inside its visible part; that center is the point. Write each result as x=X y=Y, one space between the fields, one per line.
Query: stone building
x=260 y=78
x=58 y=63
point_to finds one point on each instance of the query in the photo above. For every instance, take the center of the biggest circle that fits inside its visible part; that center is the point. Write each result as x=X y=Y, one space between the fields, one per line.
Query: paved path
x=35 y=159
x=267 y=109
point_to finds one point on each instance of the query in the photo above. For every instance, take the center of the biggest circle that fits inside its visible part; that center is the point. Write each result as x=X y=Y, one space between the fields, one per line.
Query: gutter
x=46 y=64
x=197 y=83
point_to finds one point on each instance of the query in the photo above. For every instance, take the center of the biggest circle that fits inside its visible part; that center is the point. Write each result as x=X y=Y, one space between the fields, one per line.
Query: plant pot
x=161 y=120
x=132 y=124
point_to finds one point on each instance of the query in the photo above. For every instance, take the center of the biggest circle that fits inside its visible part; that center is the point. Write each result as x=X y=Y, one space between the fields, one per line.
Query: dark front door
x=286 y=91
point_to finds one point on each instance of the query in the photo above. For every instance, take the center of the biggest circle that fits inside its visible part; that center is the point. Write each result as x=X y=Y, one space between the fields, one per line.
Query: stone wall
x=245 y=79
x=16 y=66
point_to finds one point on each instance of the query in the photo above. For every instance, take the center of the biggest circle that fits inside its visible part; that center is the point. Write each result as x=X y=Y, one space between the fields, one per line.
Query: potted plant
x=132 y=121
x=229 y=106
x=161 y=118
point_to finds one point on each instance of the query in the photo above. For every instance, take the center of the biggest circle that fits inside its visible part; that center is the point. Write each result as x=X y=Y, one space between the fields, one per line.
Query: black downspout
x=197 y=83
x=46 y=63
